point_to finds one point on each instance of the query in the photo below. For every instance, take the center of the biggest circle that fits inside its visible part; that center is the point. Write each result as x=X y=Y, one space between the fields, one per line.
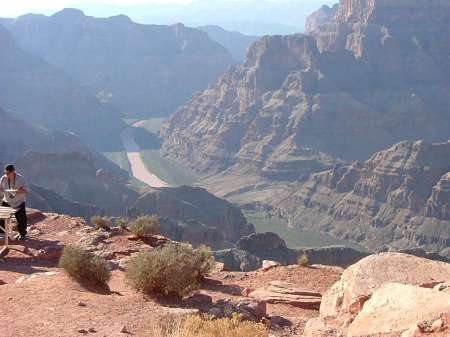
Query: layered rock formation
x=200 y=217
x=397 y=199
x=301 y=108
x=364 y=79
x=143 y=70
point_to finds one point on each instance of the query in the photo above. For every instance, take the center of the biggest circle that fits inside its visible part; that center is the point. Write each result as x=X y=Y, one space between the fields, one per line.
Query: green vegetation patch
x=295 y=238
x=168 y=170
x=120 y=159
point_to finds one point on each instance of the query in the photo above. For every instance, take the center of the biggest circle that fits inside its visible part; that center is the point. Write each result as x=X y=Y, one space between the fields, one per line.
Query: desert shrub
x=206 y=326
x=144 y=226
x=84 y=266
x=122 y=222
x=174 y=270
x=101 y=222
x=303 y=260
x=205 y=260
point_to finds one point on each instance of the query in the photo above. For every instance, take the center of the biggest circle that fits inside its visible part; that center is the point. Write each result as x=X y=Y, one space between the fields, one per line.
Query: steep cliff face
x=397 y=199
x=370 y=74
x=254 y=115
x=141 y=69
x=364 y=79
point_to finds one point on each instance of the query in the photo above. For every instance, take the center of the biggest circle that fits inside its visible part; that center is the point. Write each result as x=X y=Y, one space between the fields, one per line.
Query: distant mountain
x=235 y=42
x=250 y=17
x=143 y=70
x=44 y=95
x=289 y=106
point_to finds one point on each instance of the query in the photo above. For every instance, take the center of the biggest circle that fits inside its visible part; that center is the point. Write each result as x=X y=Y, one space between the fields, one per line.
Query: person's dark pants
x=21 y=217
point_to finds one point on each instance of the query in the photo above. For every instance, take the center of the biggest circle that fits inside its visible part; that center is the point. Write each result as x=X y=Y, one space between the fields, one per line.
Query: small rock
x=81 y=304
x=278 y=321
x=124 y=329
x=437 y=325
x=268 y=264
x=82 y=331
x=92 y=330
x=200 y=300
x=216 y=312
x=413 y=332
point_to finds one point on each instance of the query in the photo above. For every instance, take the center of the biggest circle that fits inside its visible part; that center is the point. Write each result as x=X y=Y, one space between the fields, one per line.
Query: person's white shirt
x=13 y=199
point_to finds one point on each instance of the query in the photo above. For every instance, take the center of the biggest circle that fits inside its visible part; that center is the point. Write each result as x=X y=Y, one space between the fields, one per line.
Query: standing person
x=14 y=189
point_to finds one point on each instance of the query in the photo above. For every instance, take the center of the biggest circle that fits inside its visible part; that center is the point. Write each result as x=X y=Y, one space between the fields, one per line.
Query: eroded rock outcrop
x=195 y=216
x=387 y=294
x=369 y=74
x=397 y=199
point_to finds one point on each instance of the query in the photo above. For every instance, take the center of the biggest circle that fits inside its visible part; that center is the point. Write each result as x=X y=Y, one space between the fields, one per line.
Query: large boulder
x=237 y=260
x=396 y=307
x=363 y=278
x=385 y=295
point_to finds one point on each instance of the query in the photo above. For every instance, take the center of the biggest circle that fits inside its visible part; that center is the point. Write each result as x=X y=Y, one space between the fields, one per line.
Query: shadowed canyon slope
x=141 y=69
x=369 y=74
x=41 y=94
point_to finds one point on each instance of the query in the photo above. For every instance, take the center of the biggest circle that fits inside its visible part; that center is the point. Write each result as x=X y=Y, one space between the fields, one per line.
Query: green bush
x=84 y=266
x=122 y=223
x=101 y=222
x=173 y=270
x=303 y=260
x=144 y=226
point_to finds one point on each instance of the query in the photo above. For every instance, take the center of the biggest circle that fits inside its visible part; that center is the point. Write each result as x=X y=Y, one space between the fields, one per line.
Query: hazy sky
x=13 y=8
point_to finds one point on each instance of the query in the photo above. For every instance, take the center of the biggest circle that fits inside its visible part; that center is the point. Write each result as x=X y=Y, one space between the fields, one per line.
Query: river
x=133 y=150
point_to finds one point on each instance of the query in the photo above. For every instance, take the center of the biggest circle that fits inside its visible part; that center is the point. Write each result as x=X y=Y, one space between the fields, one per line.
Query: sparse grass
x=101 y=222
x=172 y=270
x=144 y=226
x=84 y=266
x=122 y=223
x=207 y=326
x=303 y=260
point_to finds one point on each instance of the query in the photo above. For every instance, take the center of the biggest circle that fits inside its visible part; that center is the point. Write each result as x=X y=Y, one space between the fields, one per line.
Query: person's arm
x=23 y=189
x=2 y=191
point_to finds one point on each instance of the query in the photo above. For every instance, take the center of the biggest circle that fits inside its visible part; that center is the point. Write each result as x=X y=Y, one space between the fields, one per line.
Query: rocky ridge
x=144 y=70
x=43 y=95
x=368 y=75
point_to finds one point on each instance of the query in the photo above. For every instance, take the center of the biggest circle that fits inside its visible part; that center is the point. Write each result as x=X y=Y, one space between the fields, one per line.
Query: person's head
x=10 y=170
